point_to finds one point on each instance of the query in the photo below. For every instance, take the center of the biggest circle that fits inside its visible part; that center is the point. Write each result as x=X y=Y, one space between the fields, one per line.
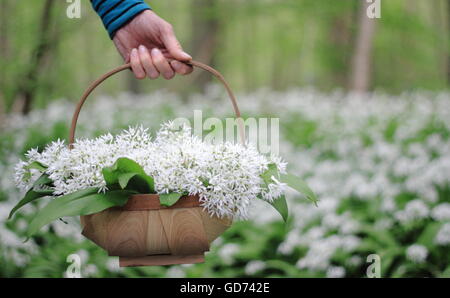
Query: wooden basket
x=144 y=233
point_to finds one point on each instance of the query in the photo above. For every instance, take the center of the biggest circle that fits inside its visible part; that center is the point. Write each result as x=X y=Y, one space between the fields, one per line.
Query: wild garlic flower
x=443 y=235
x=225 y=176
x=417 y=253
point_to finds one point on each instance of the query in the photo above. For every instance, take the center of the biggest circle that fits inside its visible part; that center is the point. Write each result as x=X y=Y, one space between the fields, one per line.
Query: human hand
x=149 y=44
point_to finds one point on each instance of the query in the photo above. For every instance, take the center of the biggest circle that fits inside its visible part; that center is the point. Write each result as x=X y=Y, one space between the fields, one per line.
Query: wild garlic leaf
x=34 y=193
x=169 y=199
x=34 y=165
x=82 y=202
x=272 y=171
x=128 y=174
x=299 y=185
x=281 y=206
x=125 y=178
x=37 y=166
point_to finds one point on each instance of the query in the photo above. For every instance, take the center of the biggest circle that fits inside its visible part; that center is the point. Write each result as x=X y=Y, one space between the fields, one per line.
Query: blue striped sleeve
x=117 y=13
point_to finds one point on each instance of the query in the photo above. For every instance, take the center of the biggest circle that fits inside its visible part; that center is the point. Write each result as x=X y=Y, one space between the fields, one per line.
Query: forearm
x=117 y=13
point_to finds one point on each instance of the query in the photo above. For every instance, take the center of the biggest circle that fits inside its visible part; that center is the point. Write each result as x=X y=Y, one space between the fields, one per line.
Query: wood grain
x=156 y=237
x=184 y=230
x=151 y=202
x=214 y=226
x=160 y=260
x=127 y=234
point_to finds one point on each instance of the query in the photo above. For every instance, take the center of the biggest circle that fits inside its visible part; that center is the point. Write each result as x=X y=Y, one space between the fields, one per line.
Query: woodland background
x=275 y=44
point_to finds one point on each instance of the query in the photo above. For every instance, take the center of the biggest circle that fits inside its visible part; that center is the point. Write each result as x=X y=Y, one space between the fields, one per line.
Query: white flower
x=335 y=272
x=112 y=264
x=441 y=212
x=443 y=235
x=253 y=267
x=417 y=253
x=90 y=270
x=227 y=252
x=414 y=210
x=175 y=272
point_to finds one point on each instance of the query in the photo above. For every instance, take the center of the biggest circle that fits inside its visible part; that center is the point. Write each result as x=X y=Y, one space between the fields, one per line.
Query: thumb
x=173 y=46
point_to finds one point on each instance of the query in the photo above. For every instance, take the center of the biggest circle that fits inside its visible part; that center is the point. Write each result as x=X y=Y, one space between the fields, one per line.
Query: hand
x=149 y=44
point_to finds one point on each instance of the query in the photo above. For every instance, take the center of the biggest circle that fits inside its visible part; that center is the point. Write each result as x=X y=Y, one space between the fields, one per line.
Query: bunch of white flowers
x=225 y=176
x=417 y=253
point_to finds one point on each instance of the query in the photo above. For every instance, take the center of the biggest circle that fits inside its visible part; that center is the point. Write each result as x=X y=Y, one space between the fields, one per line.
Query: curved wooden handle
x=127 y=66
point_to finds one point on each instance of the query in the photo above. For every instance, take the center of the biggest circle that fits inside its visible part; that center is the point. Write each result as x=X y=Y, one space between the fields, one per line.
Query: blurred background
x=364 y=108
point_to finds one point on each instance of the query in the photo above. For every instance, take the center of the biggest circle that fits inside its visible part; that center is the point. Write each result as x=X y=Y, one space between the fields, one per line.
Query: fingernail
x=175 y=64
x=142 y=49
x=133 y=52
x=155 y=51
x=186 y=55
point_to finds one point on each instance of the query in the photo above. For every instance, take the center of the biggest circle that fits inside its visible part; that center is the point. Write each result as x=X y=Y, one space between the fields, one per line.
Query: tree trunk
x=341 y=40
x=26 y=92
x=448 y=33
x=205 y=27
x=361 y=67
x=4 y=53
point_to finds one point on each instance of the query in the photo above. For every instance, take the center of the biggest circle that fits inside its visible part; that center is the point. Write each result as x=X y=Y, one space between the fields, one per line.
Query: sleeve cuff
x=117 y=13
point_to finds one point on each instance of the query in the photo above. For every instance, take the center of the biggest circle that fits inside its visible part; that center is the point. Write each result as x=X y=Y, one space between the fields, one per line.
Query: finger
x=173 y=46
x=147 y=63
x=136 y=66
x=181 y=68
x=161 y=64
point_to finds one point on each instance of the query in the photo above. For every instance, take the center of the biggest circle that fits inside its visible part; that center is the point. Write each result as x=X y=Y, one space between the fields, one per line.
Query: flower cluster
x=225 y=176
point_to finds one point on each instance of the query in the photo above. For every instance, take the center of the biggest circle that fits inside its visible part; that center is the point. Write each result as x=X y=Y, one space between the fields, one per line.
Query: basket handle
x=100 y=80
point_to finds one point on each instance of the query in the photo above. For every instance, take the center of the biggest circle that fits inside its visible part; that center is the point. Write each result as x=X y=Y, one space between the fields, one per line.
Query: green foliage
x=169 y=199
x=300 y=186
x=292 y=181
x=82 y=202
x=281 y=206
x=34 y=193
x=409 y=48
x=128 y=174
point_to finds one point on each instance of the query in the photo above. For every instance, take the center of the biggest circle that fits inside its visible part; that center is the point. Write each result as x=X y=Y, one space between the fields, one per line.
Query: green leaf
x=128 y=175
x=110 y=176
x=34 y=194
x=43 y=180
x=30 y=196
x=300 y=186
x=169 y=199
x=134 y=181
x=36 y=165
x=271 y=171
x=445 y=273
x=427 y=237
x=125 y=178
x=280 y=203
x=83 y=202
x=281 y=206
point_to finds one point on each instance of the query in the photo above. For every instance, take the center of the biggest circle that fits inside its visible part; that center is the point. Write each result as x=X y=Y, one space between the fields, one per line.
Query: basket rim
x=142 y=202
